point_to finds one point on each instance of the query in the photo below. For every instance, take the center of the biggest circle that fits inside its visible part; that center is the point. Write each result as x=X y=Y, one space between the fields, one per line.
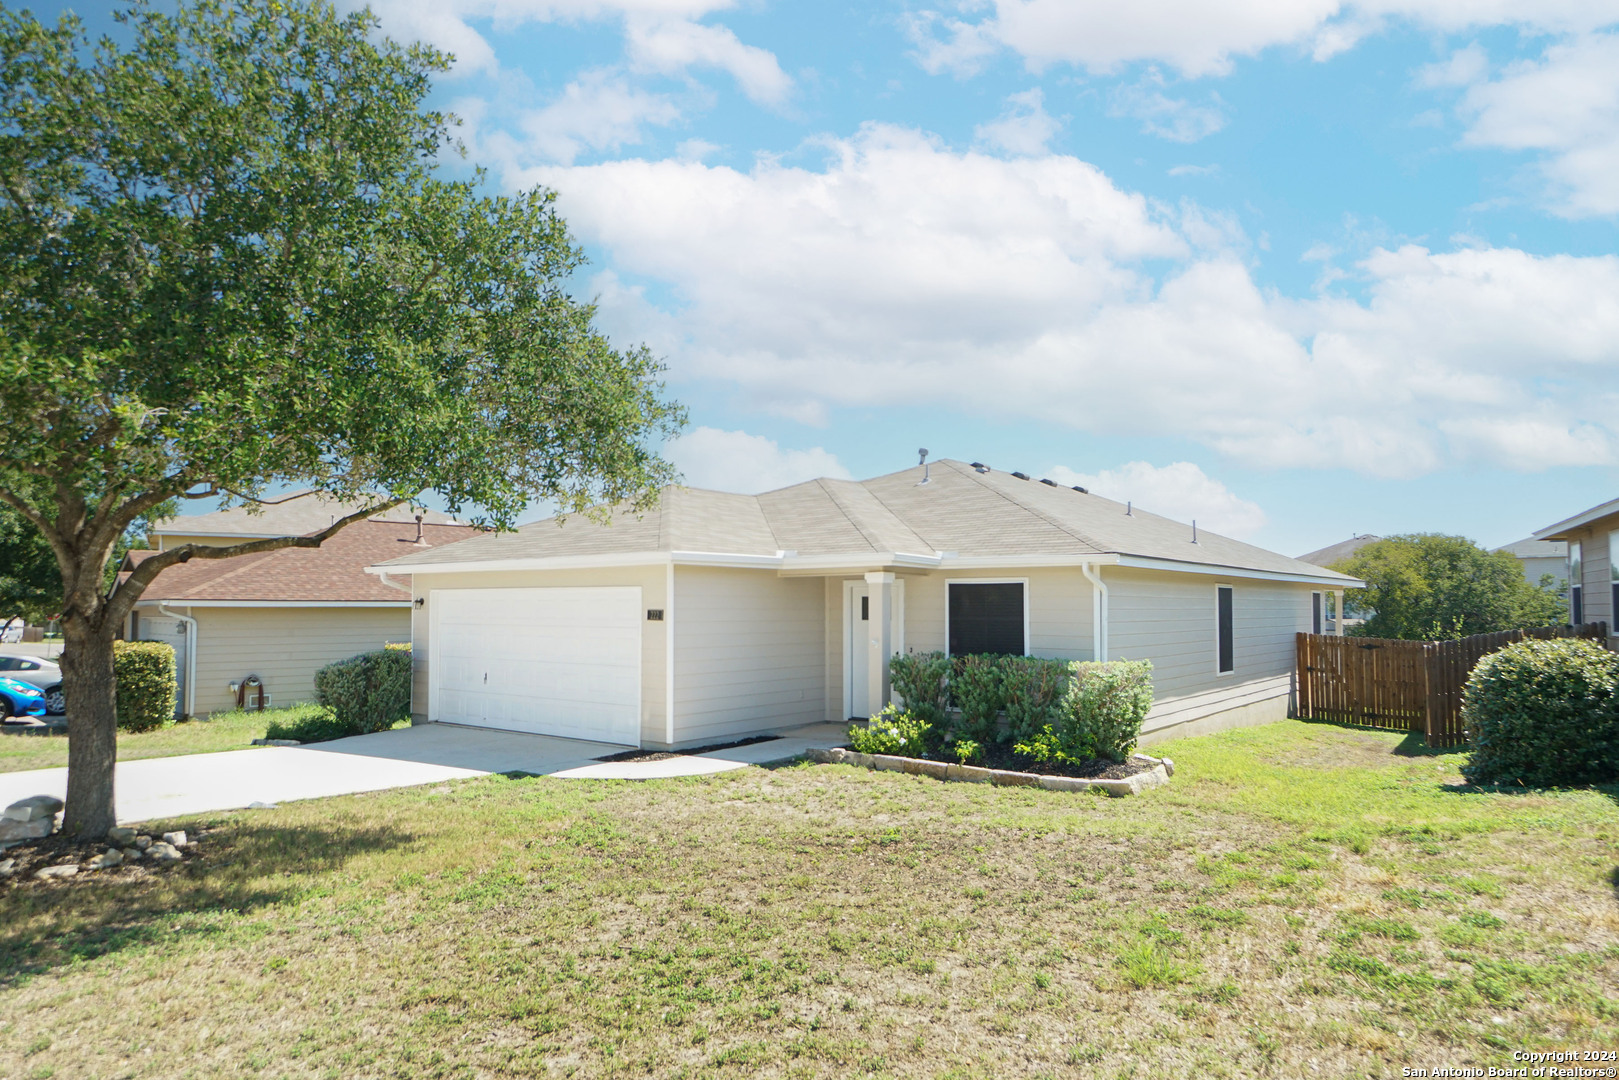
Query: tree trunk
x=92 y=728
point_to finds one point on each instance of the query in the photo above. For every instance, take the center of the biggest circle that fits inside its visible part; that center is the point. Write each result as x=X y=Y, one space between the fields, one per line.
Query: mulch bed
x=59 y=850
x=665 y=755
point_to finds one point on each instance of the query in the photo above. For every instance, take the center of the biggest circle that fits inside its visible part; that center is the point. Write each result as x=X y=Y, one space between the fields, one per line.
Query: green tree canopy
x=228 y=260
x=1428 y=586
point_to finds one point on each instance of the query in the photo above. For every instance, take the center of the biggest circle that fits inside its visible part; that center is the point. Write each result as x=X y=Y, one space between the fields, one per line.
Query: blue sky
x=1297 y=268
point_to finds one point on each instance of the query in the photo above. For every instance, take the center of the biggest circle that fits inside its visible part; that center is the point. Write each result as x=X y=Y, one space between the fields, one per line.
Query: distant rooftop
x=1343 y=549
x=1530 y=548
x=298 y=514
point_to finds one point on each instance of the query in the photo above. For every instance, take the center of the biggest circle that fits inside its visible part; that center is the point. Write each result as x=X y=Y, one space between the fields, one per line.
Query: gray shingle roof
x=959 y=511
x=297 y=514
x=1338 y=552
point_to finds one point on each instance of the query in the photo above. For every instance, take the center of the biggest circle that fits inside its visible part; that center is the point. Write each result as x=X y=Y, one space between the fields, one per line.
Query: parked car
x=40 y=673
x=20 y=699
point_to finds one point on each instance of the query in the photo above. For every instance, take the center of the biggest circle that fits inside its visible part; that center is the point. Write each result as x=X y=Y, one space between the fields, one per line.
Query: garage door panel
x=563 y=661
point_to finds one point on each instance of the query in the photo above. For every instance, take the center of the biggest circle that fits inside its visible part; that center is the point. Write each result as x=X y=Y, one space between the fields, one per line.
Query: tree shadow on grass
x=1414 y=743
x=1611 y=791
x=242 y=868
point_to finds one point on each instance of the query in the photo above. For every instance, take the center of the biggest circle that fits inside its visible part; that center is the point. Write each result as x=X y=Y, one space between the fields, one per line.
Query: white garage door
x=549 y=661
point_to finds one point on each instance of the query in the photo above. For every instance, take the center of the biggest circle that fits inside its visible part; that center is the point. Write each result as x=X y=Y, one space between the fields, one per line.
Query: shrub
x=307 y=723
x=1541 y=713
x=147 y=695
x=1100 y=714
x=369 y=692
x=968 y=751
x=892 y=731
x=978 y=688
x=923 y=680
x=1033 y=690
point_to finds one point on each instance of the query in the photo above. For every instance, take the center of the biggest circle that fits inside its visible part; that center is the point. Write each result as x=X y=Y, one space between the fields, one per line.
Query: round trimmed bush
x=1543 y=713
x=366 y=693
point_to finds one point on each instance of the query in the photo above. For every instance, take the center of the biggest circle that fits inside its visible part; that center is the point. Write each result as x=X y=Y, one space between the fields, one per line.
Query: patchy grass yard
x=227 y=731
x=1302 y=900
x=233 y=731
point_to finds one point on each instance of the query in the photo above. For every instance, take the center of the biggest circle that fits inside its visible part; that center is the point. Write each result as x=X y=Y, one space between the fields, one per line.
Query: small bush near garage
x=144 y=673
x=1543 y=713
x=1101 y=714
x=369 y=692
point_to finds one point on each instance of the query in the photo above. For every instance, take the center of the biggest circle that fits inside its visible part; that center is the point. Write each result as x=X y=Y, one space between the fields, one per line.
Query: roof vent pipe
x=1129 y=511
x=926 y=468
x=419 y=539
x=1194 y=530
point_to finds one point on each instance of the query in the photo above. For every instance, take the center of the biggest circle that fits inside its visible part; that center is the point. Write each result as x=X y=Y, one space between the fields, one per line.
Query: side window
x=1576 y=578
x=1225 y=652
x=1315 y=613
x=9 y=663
x=1613 y=582
x=986 y=618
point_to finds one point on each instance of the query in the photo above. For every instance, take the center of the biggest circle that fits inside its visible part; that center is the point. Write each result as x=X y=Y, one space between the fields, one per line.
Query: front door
x=857 y=646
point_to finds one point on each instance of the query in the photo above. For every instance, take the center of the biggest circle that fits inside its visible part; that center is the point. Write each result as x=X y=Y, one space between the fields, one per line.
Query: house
x=713 y=616
x=278 y=615
x=1539 y=558
x=1335 y=553
x=1592 y=539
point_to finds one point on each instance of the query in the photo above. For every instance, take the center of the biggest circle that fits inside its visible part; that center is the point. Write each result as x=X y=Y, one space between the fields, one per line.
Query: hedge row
x=1049 y=710
x=147 y=694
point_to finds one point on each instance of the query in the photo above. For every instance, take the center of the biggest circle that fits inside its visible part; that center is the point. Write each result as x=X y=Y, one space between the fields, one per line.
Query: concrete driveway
x=426 y=754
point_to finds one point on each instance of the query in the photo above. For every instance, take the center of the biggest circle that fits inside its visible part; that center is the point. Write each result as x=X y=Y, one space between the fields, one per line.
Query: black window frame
x=960 y=641
x=1225 y=648
x=1317 y=612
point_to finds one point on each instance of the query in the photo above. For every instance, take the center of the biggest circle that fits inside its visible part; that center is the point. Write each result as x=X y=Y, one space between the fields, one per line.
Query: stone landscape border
x=1162 y=769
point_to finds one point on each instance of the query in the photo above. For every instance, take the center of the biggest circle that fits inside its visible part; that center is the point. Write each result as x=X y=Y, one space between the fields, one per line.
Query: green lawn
x=1303 y=900
x=232 y=731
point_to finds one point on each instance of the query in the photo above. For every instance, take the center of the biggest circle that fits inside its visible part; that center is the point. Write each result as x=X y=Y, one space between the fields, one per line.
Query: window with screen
x=1315 y=613
x=986 y=618
x=1576 y=576
x=1225 y=653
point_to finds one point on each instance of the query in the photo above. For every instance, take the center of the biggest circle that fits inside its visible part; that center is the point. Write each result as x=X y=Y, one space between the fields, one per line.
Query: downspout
x=191 y=656
x=1098 y=608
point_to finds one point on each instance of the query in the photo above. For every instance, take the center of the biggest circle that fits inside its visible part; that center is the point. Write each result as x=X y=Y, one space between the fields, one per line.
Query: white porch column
x=880 y=631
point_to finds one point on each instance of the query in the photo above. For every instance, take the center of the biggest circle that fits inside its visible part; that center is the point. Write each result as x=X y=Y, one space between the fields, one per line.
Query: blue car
x=20 y=699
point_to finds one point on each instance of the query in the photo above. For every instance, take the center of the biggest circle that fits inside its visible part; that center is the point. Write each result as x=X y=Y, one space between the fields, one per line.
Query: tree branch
x=130 y=590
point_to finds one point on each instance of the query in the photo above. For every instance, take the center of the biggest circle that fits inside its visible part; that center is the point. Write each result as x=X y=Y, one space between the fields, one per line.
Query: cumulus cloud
x=1198 y=38
x=662 y=36
x=1565 y=107
x=1034 y=287
x=1180 y=490
x=1024 y=128
x=597 y=111
x=737 y=461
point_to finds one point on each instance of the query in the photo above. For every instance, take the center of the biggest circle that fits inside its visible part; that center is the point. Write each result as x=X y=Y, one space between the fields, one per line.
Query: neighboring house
x=1591 y=564
x=1338 y=552
x=1539 y=558
x=714 y=616
x=279 y=615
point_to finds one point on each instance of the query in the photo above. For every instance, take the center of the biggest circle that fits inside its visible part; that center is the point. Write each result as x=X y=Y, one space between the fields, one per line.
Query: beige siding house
x=1592 y=562
x=714 y=616
x=280 y=615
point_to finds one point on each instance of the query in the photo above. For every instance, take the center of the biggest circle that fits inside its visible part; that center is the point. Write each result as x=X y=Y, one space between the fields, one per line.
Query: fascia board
x=1330 y=580
x=185 y=603
x=1596 y=513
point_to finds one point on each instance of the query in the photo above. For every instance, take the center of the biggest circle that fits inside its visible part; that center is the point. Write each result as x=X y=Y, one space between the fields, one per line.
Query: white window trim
x=898 y=631
x=1576 y=580
x=1318 y=602
x=1217 y=672
x=1028 y=644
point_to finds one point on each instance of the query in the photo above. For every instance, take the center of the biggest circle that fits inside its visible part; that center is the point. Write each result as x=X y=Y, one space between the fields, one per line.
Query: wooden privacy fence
x=1404 y=685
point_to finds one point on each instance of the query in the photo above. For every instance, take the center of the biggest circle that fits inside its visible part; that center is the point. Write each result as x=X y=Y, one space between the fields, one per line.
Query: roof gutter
x=1098 y=609
x=382 y=576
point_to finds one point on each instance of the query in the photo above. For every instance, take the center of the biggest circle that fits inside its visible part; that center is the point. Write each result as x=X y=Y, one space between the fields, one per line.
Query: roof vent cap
x=1021 y=476
x=1082 y=491
x=1049 y=483
x=980 y=466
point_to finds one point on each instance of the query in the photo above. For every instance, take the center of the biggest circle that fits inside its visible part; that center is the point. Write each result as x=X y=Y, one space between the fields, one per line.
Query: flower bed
x=1153 y=772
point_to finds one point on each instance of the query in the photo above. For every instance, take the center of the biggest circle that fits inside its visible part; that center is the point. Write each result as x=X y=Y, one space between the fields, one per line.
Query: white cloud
x=597 y=111
x=1024 y=128
x=1199 y=38
x=1462 y=67
x=1565 y=107
x=740 y=462
x=661 y=36
x=1180 y=490
x=1032 y=287
x=1176 y=119
x=670 y=46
